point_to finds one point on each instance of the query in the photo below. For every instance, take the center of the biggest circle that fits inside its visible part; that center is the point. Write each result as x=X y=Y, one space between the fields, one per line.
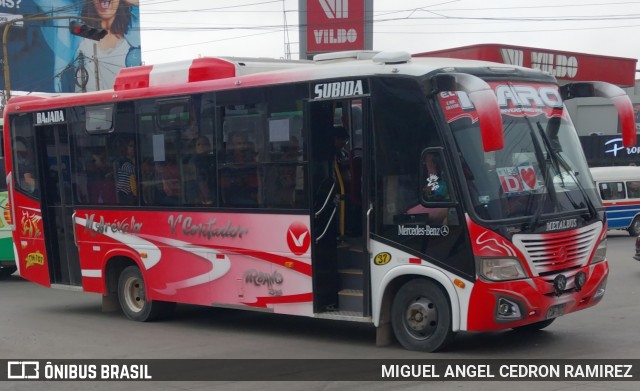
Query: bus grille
x=556 y=252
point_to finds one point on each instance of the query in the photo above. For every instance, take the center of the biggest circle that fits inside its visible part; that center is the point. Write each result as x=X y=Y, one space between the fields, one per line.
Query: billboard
x=335 y=25
x=566 y=66
x=44 y=56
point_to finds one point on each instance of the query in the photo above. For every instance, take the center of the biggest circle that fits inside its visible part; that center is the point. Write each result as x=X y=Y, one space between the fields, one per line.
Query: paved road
x=40 y=323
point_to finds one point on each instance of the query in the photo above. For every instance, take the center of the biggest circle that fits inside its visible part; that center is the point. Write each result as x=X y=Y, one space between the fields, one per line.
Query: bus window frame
x=163 y=109
x=89 y=110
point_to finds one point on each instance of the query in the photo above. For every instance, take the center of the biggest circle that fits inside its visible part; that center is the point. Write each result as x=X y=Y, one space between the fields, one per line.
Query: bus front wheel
x=133 y=298
x=634 y=228
x=421 y=317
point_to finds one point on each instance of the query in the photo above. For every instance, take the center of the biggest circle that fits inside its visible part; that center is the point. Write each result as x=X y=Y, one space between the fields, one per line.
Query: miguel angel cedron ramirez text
x=507 y=371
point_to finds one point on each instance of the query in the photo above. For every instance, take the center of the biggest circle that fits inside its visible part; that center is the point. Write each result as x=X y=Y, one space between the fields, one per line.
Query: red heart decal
x=528 y=177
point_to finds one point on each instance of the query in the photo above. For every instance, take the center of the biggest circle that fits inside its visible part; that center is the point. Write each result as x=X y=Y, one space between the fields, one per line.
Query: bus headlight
x=501 y=269
x=601 y=252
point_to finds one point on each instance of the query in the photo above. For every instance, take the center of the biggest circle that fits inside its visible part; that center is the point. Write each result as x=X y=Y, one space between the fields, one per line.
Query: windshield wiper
x=559 y=161
x=548 y=180
x=553 y=158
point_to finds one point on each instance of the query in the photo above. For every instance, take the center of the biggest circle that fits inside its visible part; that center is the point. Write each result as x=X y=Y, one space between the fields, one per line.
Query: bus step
x=350 y=300
x=351 y=279
x=348 y=258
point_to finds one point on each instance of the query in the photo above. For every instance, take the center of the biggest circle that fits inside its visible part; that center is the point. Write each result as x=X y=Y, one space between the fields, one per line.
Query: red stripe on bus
x=621 y=203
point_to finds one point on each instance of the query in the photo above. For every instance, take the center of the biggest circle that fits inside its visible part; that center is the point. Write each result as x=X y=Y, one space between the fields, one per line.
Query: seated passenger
x=239 y=175
x=203 y=162
x=171 y=186
x=126 y=184
x=100 y=180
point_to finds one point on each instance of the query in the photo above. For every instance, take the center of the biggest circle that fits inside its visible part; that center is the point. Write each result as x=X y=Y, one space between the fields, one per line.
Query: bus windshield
x=540 y=170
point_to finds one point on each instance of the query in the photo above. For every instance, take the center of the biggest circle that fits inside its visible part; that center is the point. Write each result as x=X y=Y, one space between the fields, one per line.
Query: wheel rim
x=134 y=293
x=421 y=318
x=636 y=226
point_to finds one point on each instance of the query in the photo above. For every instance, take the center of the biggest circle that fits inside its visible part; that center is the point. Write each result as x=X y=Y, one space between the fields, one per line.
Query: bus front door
x=64 y=262
x=337 y=131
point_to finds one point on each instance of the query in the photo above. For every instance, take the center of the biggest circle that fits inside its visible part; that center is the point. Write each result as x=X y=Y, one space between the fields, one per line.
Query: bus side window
x=25 y=166
x=605 y=192
x=612 y=191
x=633 y=189
x=619 y=191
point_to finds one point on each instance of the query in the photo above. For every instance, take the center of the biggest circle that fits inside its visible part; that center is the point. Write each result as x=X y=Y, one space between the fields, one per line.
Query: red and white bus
x=463 y=201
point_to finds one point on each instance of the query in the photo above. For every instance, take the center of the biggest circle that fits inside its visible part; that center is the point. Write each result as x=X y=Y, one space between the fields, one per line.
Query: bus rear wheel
x=421 y=317
x=133 y=298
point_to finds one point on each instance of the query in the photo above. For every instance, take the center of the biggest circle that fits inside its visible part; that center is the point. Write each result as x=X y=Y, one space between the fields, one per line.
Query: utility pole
x=96 y=65
x=82 y=77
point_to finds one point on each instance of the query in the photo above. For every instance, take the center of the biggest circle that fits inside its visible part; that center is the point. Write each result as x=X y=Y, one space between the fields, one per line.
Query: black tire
x=527 y=328
x=7 y=271
x=421 y=317
x=133 y=300
x=634 y=228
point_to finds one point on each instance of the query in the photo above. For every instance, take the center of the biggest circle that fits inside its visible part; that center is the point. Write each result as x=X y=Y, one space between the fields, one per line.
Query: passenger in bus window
x=171 y=185
x=100 y=179
x=25 y=167
x=150 y=182
x=280 y=179
x=191 y=135
x=239 y=149
x=126 y=185
x=633 y=189
x=203 y=162
x=239 y=176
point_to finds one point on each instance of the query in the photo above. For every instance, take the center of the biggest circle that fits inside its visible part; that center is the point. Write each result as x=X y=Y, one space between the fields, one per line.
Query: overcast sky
x=185 y=29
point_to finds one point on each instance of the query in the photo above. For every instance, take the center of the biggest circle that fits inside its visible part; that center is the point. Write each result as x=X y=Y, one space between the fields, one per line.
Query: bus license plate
x=555 y=311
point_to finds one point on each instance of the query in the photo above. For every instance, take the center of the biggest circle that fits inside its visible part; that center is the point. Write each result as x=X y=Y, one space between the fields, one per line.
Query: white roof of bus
x=325 y=67
x=340 y=65
x=615 y=173
x=416 y=66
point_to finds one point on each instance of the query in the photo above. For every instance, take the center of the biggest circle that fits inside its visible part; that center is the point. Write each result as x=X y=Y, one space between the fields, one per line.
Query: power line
x=173 y=11
x=537 y=7
x=511 y=31
x=215 y=40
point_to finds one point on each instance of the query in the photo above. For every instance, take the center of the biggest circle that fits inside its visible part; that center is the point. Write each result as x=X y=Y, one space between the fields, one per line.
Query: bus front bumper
x=503 y=305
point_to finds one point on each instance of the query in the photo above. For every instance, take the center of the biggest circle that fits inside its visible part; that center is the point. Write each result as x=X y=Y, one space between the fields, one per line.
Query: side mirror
x=483 y=99
x=616 y=94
